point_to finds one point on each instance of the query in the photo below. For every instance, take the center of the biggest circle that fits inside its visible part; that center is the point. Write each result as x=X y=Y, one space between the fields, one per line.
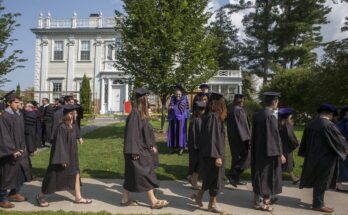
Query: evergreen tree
x=85 y=95
x=18 y=91
x=164 y=43
x=229 y=44
x=8 y=61
x=297 y=31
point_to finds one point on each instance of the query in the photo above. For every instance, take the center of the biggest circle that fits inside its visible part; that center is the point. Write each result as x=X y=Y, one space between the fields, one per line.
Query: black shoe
x=231 y=180
x=295 y=182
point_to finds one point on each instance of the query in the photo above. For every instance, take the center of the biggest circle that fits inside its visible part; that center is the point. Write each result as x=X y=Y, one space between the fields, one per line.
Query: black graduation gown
x=194 y=133
x=9 y=167
x=266 y=149
x=140 y=174
x=321 y=146
x=48 y=118
x=238 y=131
x=64 y=150
x=290 y=143
x=212 y=146
x=30 y=127
x=57 y=120
x=16 y=171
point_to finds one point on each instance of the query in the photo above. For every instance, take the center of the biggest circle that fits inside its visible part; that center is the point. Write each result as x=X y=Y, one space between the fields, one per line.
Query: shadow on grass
x=96 y=173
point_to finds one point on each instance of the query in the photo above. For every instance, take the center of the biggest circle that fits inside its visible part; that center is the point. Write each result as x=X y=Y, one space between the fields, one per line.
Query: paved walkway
x=106 y=195
x=100 y=122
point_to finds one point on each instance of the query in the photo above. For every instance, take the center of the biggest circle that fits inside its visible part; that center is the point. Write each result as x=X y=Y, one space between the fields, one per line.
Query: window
x=58 y=50
x=109 y=54
x=57 y=89
x=106 y=93
x=85 y=50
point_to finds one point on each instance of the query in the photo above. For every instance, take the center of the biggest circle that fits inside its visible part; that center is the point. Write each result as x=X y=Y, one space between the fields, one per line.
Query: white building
x=68 y=49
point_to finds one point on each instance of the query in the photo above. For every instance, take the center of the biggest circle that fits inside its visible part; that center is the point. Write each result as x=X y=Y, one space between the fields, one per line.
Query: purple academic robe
x=177 y=116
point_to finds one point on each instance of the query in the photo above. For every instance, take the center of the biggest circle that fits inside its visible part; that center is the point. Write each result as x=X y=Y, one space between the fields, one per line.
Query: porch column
x=109 y=94
x=102 y=90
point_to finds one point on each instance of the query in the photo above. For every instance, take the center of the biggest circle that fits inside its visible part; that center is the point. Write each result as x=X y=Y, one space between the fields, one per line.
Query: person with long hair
x=140 y=154
x=289 y=140
x=194 y=134
x=63 y=172
x=212 y=149
x=239 y=135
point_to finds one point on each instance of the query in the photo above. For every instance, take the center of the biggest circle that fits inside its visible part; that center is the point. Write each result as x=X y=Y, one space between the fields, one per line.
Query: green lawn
x=101 y=156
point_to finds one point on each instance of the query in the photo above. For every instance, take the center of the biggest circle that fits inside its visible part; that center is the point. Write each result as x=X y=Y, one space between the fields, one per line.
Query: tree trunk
x=163 y=117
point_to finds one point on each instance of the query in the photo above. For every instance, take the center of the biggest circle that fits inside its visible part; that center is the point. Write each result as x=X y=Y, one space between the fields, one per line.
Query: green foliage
x=85 y=95
x=248 y=85
x=164 y=43
x=9 y=60
x=229 y=45
x=251 y=107
x=18 y=91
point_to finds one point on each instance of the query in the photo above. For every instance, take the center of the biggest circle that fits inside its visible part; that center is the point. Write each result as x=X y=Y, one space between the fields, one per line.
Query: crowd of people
x=266 y=145
x=26 y=128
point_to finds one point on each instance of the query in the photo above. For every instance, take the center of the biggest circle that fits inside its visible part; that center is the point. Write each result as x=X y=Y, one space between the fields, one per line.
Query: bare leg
x=77 y=188
x=194 y=178
x=152 y=197
x=125 y=196
x=293 y=177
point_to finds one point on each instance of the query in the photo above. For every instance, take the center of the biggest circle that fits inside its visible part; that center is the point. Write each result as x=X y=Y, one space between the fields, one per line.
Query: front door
x=117 y=99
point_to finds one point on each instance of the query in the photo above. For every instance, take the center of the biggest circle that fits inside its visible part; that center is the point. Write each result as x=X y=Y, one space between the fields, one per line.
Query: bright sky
x=30 y=10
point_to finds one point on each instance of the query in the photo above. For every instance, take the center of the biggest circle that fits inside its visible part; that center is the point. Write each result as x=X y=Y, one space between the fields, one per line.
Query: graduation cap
x=203 y=86
x=238 y=96
x=215 y=96
x=344 y=109
x=283 y=112
x=139 y=92
x=69 y=108
x=34 y=103
x=271 y=94
x=327 y=107
x=10 y=97
x=201 y=104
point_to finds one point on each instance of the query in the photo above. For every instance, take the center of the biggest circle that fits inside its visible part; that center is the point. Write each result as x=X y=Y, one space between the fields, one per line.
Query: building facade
x=68 y=49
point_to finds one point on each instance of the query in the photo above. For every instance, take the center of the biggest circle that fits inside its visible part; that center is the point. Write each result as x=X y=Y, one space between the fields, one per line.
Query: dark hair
x=219 y=107
x=237 y=101
x=198 y=112
x=46 y=99
x=142 y=106
x=268 y=100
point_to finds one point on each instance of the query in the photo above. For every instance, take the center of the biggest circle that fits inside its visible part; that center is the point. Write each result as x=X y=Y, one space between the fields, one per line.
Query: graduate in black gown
x=322 y=145
x=289 y=140
x=201 y=96
x=63 y=171
x=14 y=166
x=212 y=149
x=239 y=135
x=266 y=154
x=342 y=126
x=30 y=127
x=140 y=154
x=47 y=120
x=194 y=134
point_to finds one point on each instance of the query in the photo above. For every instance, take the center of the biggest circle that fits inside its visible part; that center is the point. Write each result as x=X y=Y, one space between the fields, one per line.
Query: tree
x=297 y=31
x=229 y=45
x=8 y=61
x=85 y=95
x=18 y=91
x=164 y=43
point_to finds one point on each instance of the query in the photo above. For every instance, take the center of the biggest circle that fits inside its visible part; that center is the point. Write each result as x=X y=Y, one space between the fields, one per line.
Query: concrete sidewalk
x=99 y=122
x=106 y=195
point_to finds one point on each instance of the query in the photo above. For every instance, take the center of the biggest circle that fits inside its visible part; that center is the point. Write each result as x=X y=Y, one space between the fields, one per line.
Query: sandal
x=198 y=199
x=270 y=201
x=130 y=202
x=83 y=201
x=214 y=208
x=264 y=207
x=159 y=204
x=41 y=201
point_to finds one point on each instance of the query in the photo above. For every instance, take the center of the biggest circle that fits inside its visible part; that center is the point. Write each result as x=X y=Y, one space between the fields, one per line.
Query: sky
x=30 y=10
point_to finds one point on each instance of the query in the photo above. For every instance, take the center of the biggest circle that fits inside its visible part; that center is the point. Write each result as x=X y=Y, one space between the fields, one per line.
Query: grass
x=101 y=156
x=60 y=212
